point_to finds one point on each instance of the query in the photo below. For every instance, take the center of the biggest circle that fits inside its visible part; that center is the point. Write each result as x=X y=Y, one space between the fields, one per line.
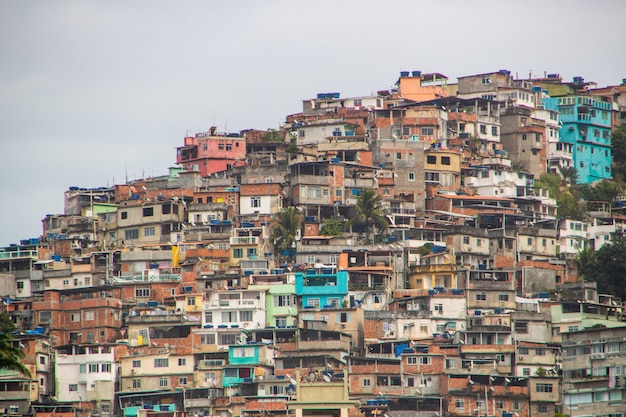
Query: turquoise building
x=587 y=126
x=322 y=290
x=247 y=363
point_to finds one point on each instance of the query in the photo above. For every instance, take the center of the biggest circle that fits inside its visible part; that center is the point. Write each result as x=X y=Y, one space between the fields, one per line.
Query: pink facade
x=209 y=152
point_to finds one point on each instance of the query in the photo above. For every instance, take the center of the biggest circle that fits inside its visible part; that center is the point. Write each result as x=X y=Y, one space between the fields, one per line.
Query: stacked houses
x=167 y=295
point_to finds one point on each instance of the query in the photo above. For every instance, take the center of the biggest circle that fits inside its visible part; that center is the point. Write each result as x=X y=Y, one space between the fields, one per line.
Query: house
x=211 y=152
x=587 y=123
x=86 y=376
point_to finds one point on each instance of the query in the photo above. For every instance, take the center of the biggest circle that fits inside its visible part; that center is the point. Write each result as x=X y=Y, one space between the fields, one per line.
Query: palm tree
x=285 y=228
x=585 y=261
x=569 y=175
x=10 y=356
x=369 y=211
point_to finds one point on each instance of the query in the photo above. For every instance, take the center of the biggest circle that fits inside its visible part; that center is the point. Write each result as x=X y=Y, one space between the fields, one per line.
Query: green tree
x=618 y=144
x=585 y=260
x=608 y=268
x=370 y=211
x=605 y=190
x=10 y=356
x=331 y=227
x=285 y=228
x=271 y=136
x=569 y=176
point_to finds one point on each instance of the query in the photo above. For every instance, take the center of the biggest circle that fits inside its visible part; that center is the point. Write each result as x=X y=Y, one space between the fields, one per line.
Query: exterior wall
x=80 y=319
x=586 y=124
x=149 y=223
x=86 y=373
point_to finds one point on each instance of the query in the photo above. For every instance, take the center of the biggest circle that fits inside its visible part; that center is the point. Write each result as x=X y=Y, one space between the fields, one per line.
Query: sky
x=96 y=92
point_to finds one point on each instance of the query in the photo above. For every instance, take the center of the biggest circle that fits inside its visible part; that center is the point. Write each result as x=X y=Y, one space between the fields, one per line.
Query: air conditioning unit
x=598 y=356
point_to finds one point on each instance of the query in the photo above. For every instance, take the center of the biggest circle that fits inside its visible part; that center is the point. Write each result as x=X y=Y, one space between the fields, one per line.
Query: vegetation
x=331 y=227
x=370 y=211
x=10 y=356
x=618 y=144
x=563 y=189
x=271 y=136
x=607 y=267
x=285 y=228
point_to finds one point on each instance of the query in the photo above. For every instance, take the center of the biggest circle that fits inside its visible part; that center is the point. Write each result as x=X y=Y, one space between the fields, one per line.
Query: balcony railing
x=244 y=240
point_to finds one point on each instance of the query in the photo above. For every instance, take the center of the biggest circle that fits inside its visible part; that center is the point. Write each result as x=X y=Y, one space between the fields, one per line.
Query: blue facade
x=587 y=126
x=322 y=290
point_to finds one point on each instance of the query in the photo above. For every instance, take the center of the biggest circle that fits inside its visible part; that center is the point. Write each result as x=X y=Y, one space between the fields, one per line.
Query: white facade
x=87 y=373
x=261 y=204
x=573 y=236
x=235 y=309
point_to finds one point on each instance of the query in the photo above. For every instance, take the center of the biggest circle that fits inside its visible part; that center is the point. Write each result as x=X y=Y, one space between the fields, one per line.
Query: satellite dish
x=471 y=382
x=326 y=378
x=312 y=377
x=293 y=381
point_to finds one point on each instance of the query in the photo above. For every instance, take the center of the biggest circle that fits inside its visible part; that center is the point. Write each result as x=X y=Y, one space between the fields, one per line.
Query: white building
x=87 y=373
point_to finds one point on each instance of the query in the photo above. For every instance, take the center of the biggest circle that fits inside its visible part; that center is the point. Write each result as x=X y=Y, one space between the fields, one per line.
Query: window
x=485 y=79
x=483 y=129
x=207 y=339
x=439 y=308
x=229 y=316
x=314 y=302
x=148 y=211
x=366 y=382
x=411 y=176
x=503 y=297
x=142 y=292
x=191 y=301
x=543 y=388
x=245 y=315
x=136 y=364
x=425 y=360
x=428 y=131
x=161 y=362
x=131 y=234
x=82 y=368
x=182 y=380
x=229 y=146
x=124 y=215
x=445 y=160
x=74 y=317
x=481 y=296
x=149 y=231
x=284 y=300
x=450 y=363
x=398 y=155
x=431 y=159
x=89 y=315
x=526 y=371
x=105 y=407
x=182 y=361
x=494 y=130
x=42 y=360
x=459 y=404
x=136 y=383
x=522 y=350
x=163 y=382
x=466 y=240
x=411 y=360
x=542 y=408
x=105 y=368
x=540 y=352
x=237 y=253
x=73 y=387
x=255 y=201
x=94 y=368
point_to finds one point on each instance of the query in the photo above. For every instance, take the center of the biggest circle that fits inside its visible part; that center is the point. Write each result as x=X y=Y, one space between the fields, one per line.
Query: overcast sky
x=92 y=92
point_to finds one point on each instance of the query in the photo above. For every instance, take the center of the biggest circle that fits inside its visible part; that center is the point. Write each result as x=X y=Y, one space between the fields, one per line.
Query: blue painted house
x=587 y=126
x=319 y=290
x=247 y=363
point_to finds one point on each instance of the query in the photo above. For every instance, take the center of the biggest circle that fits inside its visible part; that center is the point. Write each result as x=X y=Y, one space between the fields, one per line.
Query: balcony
x=244 y=240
